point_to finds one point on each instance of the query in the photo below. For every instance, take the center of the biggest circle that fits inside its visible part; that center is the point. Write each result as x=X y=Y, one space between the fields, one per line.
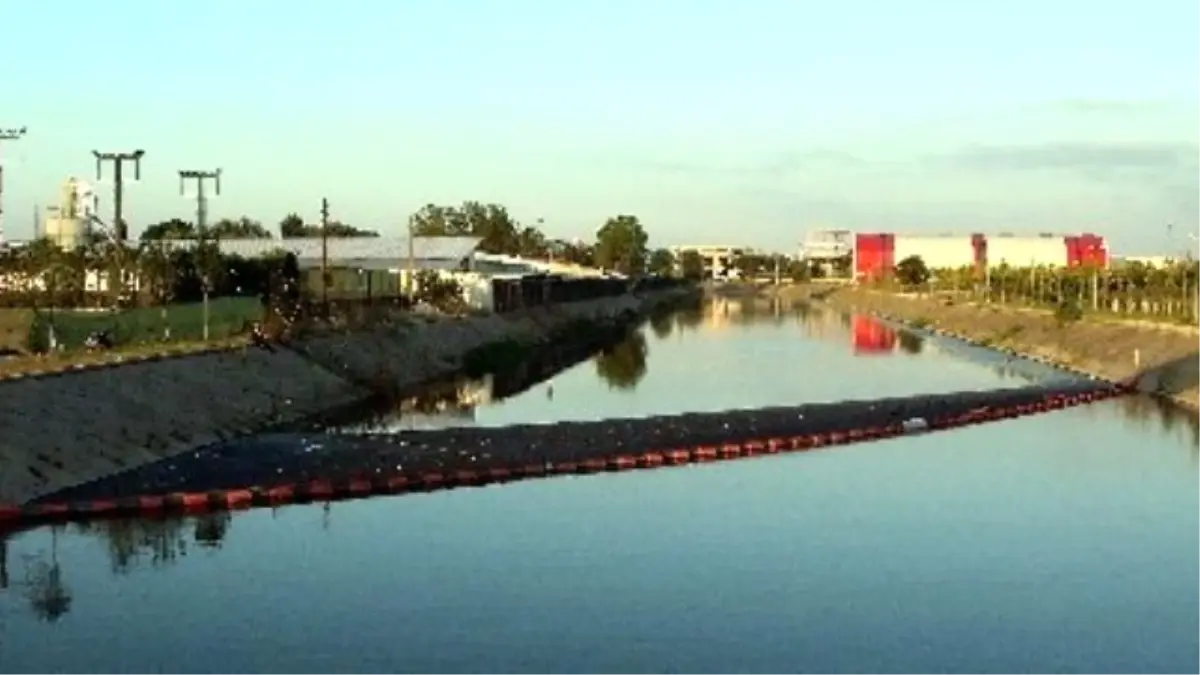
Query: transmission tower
x=201 y=178
x=119 y=229
x=6 y=135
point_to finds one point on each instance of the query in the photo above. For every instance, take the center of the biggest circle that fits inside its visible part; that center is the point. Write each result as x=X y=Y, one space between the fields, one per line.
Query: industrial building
x=877 y=254
x=717 y=260
x=364 y=253
x=823 y=246
x=360 y=266
x=69 y=223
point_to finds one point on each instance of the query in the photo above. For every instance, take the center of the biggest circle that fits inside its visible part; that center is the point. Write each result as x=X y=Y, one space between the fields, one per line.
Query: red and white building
x=876 y=254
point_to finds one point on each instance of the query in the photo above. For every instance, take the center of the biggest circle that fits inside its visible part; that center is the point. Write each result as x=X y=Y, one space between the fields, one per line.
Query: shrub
x=1068 y=311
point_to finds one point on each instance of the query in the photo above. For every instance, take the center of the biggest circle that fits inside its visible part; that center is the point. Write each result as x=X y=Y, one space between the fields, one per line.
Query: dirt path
x=1162 y=358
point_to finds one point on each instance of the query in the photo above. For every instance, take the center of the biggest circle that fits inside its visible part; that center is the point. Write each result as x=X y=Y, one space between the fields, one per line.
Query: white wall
x=936 y=252
x=1027 y=251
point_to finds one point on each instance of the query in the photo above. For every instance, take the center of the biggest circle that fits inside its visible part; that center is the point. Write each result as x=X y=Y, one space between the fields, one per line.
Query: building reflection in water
x=442 y=406
x=872 y=338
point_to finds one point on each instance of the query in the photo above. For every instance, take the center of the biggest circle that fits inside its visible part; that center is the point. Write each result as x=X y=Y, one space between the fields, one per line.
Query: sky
x=746 y=123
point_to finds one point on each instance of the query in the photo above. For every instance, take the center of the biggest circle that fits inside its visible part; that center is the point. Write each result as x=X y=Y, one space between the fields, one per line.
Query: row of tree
x=42 y=274
x=291 y=227
x=621 y=243
x=1169 y=291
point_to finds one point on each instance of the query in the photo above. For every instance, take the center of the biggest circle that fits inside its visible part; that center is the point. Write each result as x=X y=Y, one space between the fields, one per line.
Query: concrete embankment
x=1158 y=358
x=62 y=430
x=396 y=357
x=292 y=468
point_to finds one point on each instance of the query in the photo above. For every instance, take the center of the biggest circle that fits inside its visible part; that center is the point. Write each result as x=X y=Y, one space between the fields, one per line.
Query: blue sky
x=739 y=122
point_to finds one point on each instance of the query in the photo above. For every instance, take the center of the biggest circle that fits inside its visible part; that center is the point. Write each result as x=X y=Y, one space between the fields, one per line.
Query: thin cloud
x=1079 y=156
x=1102 y=106
x=772 y=165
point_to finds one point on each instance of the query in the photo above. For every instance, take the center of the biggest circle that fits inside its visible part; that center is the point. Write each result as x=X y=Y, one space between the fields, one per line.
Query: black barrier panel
x=657 y=283
x=536 y=290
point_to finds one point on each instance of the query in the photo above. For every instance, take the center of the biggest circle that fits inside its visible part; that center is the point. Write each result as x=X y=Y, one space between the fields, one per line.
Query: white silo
x=76 y=206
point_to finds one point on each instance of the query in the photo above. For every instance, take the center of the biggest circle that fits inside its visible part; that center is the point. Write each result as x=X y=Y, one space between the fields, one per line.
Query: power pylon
x=120 y=231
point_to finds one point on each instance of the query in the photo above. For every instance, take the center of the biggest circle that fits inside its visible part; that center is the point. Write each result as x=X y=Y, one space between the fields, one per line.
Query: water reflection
x=910 y=342
x=662 y=325
x=441 y=404
x=47 y=592
x=873 y=337
x=131 y=543
x=623 y=365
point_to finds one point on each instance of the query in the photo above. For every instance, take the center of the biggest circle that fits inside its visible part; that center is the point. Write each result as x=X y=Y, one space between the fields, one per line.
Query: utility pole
x=201 y=223
x=118 y=159
x=412 y=263
x=325 y=256
x=14 y=134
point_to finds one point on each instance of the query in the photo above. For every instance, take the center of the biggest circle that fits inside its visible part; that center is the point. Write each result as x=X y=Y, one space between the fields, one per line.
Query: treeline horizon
x=620 y=243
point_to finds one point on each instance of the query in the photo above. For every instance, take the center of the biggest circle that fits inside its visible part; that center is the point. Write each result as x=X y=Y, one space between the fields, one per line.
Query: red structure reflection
x=872 y=337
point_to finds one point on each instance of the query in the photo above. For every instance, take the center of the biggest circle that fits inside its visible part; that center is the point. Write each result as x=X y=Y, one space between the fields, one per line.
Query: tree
x=799 y=270
x=912 y=271
x=490 y=222
x=437 y=291
x=662 y=262
x=292 y=226
x=621 y=245
x=438 y=221
x=158 y=273
x=574 y=252
x=531 y=243
x=210 y=266
x=691 y=265
x=169 y=229
x=242 y=228
x=340 y=230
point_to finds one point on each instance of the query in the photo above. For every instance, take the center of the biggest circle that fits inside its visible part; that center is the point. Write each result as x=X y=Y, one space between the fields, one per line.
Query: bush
x=1068 y=311
x=437 y=291
x=912 y=271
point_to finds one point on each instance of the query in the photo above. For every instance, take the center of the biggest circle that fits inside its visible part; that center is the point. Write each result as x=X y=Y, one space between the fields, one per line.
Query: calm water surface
x=1059 y=543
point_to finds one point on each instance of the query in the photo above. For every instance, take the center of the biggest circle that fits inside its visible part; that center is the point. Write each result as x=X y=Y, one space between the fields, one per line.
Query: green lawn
x=146 y=324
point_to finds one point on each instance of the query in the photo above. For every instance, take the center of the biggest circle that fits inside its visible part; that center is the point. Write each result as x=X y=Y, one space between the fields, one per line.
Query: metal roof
x=347 y=249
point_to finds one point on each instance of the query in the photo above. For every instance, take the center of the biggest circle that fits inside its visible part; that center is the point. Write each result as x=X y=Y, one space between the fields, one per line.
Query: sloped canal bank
x=67 y=429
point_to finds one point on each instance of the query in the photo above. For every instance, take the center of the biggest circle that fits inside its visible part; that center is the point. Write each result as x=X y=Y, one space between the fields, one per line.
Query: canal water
x=1065 y=542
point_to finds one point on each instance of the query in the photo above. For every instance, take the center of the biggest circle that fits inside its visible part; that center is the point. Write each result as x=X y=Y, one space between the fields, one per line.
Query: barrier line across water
x=15 y=517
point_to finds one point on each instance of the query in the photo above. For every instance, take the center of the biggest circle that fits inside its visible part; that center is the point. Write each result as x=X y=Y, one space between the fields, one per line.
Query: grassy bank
x=137 y=333
x=1162 y=358
x=65 y=361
